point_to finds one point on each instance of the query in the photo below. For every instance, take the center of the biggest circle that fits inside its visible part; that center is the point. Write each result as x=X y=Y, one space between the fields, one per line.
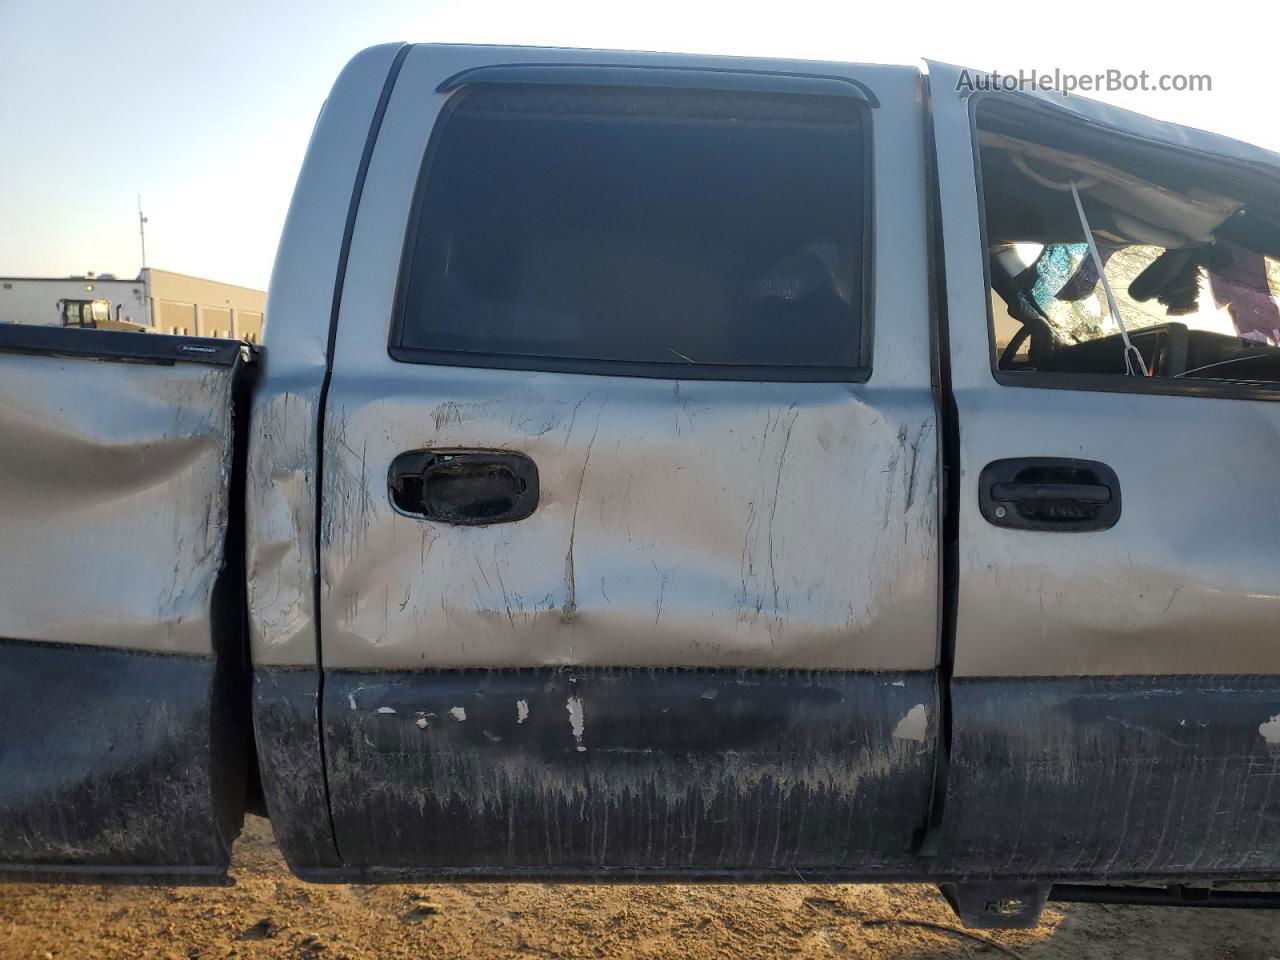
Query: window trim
x=1091 y=382
x=711 y=80
x=663 y=77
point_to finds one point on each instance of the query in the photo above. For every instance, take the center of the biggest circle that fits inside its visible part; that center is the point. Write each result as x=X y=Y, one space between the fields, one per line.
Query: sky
x=205 y=108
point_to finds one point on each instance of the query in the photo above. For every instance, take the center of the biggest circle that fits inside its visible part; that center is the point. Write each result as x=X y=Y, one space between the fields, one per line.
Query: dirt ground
x=268 y=913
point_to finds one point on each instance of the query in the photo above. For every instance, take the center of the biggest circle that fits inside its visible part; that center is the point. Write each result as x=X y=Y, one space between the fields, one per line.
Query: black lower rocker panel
x=627 y=773
x=116 y=766
x=286 y=722
x=1114 y=778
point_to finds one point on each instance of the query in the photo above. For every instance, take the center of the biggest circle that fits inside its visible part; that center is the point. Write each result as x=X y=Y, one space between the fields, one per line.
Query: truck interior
x=1190 y=247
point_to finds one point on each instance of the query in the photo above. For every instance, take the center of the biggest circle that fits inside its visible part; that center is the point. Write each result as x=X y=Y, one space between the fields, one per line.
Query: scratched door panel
x=710 y=649
x=628 y=772
x=1116 y=690
x=122 y=666
x=680 y=523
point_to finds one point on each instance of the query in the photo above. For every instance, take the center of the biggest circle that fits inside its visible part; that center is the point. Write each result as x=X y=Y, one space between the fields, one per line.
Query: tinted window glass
x=674 y=227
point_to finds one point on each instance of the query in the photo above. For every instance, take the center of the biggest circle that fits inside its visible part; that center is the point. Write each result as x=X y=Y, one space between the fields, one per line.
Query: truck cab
x=94 y=315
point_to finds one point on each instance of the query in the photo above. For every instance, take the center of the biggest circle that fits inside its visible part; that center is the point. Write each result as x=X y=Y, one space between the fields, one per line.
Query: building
x=41 y=300
x=203 y=308
x=158 y=301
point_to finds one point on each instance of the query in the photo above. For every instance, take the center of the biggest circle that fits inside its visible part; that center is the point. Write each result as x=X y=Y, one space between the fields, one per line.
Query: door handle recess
x=1078 y=492
x=465 y=487
x=1057 y=494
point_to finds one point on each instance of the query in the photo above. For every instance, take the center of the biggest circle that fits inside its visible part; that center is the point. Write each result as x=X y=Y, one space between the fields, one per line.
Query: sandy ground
x=268 y=913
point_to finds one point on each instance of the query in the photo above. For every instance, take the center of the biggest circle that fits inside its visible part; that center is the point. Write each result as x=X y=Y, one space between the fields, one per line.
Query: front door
x=1116 y=664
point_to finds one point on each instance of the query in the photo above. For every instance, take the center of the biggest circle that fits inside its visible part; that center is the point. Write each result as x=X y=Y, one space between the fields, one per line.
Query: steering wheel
x=1039 y=348
x=1013 y=346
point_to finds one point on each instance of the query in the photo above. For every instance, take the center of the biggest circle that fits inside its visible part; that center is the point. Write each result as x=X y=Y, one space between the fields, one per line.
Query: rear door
x=1116 y=660
x=629 y=499
x=123 y=669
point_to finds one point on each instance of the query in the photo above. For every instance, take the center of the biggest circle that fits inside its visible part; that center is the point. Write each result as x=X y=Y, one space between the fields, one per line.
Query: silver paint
x=283 y=444
x=113 y=501
x=682 y=523
x=1188 y=582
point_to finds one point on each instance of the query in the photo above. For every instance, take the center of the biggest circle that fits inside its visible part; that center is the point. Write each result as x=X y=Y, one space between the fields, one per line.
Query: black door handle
x=467 y=487
x=1077 y=492
x=1056 y=494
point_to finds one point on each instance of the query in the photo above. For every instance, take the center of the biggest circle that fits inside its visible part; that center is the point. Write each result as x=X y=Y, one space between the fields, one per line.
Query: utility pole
x=142 y=232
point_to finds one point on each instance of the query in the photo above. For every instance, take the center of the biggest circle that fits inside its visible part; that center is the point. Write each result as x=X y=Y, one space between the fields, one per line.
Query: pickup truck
x=676 y=468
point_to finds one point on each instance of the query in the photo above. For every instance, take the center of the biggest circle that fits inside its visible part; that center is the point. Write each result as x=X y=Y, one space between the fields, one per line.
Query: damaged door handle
x=1057 y=494
x=465 y=487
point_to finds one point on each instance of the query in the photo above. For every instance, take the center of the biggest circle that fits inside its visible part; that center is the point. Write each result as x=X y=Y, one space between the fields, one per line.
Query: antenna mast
x=142 y=232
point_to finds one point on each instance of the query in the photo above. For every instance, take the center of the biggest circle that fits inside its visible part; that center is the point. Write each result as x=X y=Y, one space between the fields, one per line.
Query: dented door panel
x=123 y=671
x=680 y=526
x=721 y=617
x=282 y=490
x=681 y=523
x=114 y=491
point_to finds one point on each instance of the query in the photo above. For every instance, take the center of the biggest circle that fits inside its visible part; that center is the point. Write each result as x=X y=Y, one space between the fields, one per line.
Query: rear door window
x=632 y=230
